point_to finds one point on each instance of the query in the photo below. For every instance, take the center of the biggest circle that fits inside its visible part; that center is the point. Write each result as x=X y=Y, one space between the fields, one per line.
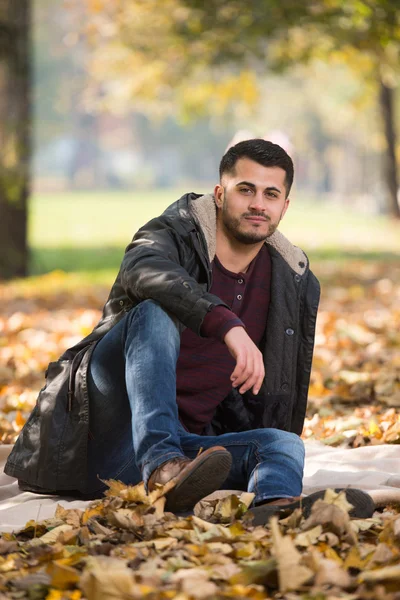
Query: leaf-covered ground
x=355 y=388
x=124 y=548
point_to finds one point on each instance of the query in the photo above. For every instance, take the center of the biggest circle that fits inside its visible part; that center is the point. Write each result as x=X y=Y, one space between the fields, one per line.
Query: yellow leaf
x=51 y=536
x=91 y=512
x=354 y=560
x=55 y=595
x=308 y=538
x=62 y=576
x=291 y=573
x=137 y=492
x=338 y=499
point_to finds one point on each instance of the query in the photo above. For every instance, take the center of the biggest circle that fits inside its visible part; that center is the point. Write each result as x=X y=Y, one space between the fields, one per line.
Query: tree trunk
x=386 y=98
x=15 y=124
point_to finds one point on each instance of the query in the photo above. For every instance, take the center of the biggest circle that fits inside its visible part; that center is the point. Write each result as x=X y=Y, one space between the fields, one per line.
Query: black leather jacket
x=169 y=261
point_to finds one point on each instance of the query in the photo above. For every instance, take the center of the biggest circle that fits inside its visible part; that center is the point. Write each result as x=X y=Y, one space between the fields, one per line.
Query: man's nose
x=257 y=202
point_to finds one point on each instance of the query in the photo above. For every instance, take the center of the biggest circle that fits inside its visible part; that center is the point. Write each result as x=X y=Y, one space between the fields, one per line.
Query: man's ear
x=286 y=206
x=219 y=195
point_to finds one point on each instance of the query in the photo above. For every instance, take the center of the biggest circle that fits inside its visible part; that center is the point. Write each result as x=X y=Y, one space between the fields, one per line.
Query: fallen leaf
x=391 y=573
x=308 y=538
x=331 y=517
x=62 y=576
x=51 y=536
x=71 y=517
x=108 y=579
x=330 y=573
x=292 y=574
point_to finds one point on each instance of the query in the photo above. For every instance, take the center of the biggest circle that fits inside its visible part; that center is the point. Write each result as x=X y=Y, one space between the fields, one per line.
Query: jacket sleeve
x=152 y=268
x=308 y=318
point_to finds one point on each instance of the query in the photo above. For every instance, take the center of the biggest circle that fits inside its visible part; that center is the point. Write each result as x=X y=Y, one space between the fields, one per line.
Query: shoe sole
x=363 y=506
x=204 y=475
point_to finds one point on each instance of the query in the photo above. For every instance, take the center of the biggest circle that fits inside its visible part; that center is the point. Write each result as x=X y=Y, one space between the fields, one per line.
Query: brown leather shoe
x=167 y=471
x=194 y=478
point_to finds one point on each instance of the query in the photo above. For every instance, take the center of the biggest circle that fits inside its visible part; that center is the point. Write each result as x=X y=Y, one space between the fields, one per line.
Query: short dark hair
x=261 y=151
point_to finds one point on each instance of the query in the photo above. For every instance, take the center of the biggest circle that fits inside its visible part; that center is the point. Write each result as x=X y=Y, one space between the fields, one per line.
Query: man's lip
x=258 y=219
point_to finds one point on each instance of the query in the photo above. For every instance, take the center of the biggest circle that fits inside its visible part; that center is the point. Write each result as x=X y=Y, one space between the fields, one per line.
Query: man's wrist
x=218 y=322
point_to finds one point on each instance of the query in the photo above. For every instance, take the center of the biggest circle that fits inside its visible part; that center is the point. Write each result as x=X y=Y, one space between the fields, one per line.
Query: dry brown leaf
x=108 y=579
x=330 y=573
x=308 y=538
x=137 y=493
x=391 y=573
x=292 y=574
x=71 y=517
x=383 y=554
x=332 y=518
x=51 y=536
x=125 y=518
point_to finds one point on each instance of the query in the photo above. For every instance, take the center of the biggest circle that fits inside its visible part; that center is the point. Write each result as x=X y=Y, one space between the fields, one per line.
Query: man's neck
x=233 y=255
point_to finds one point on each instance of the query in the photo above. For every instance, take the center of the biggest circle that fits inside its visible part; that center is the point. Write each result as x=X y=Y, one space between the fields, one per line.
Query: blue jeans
x=134 y=424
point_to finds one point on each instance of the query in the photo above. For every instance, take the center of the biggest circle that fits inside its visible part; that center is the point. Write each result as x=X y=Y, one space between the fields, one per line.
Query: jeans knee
x=285 y=442
x=160 y=326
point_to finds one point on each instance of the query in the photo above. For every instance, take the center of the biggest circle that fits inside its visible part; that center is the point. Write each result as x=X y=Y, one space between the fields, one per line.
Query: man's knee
x=285 y=441
x=160 y=326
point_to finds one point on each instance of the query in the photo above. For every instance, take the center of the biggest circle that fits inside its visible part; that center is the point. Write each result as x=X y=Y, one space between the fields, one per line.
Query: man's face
x=251 y=201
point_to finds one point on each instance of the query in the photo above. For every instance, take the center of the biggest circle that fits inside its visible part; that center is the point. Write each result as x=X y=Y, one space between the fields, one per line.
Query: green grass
x=87 y=232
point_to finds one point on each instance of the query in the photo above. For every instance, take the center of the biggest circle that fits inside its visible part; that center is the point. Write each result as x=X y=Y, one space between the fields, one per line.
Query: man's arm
x=152 y=268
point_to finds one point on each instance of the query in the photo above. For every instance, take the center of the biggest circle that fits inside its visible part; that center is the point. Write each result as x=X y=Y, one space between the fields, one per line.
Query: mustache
x=255 y=214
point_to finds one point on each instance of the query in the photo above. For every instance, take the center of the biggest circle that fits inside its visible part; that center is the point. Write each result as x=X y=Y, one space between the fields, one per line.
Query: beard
x=233 y=226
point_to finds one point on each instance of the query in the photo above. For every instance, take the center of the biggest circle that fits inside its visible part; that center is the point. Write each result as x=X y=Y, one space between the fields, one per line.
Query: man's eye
x=245 y=190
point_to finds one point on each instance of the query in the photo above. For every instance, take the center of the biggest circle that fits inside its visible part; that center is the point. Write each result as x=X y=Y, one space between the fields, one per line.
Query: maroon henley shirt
x=205 y=364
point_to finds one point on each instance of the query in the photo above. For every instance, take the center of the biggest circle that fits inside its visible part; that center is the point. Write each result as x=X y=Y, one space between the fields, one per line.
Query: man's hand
x=249 y=371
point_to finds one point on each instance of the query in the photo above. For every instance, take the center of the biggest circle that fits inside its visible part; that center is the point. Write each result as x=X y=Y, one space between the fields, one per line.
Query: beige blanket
x=375 y=469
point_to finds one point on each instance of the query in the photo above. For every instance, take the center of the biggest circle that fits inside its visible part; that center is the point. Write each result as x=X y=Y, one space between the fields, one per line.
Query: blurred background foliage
x=109 y=111
x=139 y=95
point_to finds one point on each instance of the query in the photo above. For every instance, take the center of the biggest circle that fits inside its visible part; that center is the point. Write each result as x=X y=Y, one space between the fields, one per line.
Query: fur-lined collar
x=205 y=212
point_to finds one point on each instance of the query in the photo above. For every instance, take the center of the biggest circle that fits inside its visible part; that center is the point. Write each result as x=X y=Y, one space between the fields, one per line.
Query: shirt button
x=297 y=278
x=240 y=280
x=239 y=296
x=289 y=331
x=121 y=302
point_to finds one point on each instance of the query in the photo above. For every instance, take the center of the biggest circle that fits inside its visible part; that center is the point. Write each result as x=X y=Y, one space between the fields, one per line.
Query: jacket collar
x=204 y=211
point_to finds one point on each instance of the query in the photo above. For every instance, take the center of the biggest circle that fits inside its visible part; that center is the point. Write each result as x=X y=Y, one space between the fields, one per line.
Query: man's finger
x=246 y=371
x=238 y=370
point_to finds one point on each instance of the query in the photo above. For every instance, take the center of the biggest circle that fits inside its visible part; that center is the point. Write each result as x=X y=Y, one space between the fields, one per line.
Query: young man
x=199 y=369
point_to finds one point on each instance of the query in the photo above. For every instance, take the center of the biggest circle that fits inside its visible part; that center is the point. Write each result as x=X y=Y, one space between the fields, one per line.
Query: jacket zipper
x=71 y=378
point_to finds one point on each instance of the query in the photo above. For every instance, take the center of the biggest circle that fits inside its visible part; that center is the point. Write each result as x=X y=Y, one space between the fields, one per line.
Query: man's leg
x=267 y=462
x=133 y=410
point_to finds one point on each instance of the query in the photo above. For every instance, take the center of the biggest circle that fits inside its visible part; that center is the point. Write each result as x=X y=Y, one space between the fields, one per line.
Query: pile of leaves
x=126 y=547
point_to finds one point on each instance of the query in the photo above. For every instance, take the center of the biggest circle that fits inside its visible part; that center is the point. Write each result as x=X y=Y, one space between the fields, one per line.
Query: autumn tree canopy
x=204 y=56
